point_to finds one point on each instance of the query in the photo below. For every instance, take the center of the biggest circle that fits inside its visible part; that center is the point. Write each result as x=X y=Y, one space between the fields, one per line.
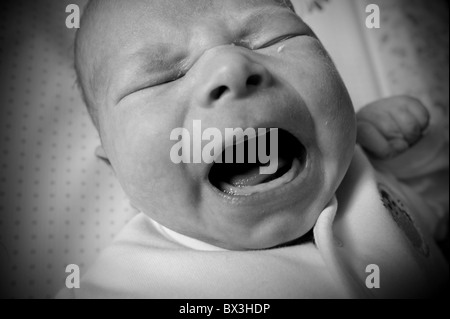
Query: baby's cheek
x=313 y=74
x=152 y=180
x=336 y=121
x=334 y=117
x=332 y=106
x=148 y=157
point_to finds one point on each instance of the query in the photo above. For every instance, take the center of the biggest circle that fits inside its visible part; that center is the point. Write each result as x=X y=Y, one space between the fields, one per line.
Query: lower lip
x=288 y=177
x=277 y=192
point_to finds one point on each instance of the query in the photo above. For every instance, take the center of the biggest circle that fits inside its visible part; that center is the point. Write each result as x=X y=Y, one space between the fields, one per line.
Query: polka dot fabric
x=59 y=204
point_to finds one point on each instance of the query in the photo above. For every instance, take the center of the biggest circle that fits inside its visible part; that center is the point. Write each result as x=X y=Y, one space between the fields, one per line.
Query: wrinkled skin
x=151 y=66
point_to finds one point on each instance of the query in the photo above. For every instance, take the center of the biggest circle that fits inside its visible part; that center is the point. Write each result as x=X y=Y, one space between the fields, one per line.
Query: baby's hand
x=389 y=127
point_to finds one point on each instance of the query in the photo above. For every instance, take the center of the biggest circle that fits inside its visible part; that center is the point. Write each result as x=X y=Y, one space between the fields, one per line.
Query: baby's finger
x=381 y=120
x=418 y=110
x=407 y=123
x=371 y=139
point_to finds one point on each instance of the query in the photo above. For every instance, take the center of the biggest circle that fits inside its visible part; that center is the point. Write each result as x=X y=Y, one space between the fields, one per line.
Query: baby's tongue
x=250 y=175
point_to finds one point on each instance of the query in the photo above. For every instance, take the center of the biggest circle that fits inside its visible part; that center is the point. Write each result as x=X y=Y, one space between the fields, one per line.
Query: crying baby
x=231 y=215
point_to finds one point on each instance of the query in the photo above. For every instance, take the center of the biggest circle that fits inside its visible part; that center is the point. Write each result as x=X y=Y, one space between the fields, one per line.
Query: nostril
x=254 y=80
x=217 y=93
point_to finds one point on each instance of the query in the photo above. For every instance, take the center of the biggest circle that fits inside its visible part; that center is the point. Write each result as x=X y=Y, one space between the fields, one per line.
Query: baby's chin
x=259 y=229
x=266 y=221
x=289 y=228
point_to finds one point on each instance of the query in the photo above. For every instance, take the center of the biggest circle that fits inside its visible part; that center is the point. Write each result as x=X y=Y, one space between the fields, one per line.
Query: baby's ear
x=101 y=154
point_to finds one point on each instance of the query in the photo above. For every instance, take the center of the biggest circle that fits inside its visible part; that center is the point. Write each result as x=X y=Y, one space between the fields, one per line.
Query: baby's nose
x=229 y=74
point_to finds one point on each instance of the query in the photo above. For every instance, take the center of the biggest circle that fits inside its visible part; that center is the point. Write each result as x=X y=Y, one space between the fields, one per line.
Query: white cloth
x=150 y=261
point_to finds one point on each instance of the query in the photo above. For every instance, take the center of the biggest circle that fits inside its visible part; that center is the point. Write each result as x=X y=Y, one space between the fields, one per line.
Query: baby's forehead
x=177 y=8
x=136 y=14
x=116 y=28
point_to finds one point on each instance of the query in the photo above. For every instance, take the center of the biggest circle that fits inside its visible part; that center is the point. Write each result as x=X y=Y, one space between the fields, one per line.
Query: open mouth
x=245 y=179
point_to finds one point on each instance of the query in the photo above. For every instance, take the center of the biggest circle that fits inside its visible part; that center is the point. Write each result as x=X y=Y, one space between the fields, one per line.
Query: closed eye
x=154 y=83
x=179 y=75
x=168 y=79
x=278 y=40
x=162 y=81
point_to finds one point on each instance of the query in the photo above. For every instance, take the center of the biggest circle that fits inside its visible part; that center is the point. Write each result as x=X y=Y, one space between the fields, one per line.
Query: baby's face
x=157 y=65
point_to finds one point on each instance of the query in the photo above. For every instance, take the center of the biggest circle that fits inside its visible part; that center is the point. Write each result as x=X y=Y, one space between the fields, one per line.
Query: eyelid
x=166 y=79
x=154 y=83
x=278 y=40
x=178 y=72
